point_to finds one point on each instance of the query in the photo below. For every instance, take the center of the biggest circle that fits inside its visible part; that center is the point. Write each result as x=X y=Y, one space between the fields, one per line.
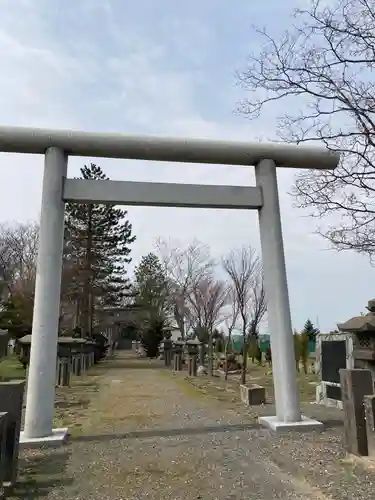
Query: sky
x=162 y=68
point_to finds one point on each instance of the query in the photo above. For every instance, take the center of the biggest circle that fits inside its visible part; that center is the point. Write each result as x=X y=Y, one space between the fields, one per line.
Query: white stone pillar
x=279 y=320
x=42 y=370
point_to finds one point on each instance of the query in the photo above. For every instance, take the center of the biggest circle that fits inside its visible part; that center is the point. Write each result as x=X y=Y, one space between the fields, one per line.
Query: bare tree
x=207 y=299
x=323 y=72
x=7 y=265
x=18 y=255
x=184 y=267
x=244 y=269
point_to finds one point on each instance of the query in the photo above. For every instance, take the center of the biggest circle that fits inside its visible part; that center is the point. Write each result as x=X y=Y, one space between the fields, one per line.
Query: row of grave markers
x=75 y=357
x=173 y=352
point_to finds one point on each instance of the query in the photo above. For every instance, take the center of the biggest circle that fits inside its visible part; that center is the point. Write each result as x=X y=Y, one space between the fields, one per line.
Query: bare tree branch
x=184 y=267
x=18 y=256
x=207 y=300
x=323 y=72
x=231 y=324
x=245 y=271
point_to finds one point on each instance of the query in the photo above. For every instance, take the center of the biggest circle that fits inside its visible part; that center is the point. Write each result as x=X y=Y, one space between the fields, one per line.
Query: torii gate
x=57 y=145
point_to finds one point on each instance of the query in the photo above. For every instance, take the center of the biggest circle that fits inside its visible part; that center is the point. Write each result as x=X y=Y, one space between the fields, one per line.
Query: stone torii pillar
x=287 y=395
x=42 y=369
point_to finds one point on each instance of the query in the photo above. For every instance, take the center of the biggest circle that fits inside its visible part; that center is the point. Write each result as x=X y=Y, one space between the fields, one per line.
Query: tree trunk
x=91 y=313
x=210 y=356
x=77 y=313
x=86 y=316
x=180 y=319
x=226 y=368
x=244 y=362
x=201 y=353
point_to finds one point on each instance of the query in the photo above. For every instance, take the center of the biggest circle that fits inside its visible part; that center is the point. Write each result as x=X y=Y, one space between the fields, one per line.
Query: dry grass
x=85 y=409
x=218 y=389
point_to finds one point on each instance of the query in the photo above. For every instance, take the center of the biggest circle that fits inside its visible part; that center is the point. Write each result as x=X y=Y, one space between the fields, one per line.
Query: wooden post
x=369 y=403
x=355 y=385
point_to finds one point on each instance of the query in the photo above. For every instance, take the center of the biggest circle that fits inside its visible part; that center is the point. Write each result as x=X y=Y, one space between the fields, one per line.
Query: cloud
x=159 y=68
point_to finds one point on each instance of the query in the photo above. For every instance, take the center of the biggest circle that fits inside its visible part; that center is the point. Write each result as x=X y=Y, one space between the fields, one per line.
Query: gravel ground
x=144 y=435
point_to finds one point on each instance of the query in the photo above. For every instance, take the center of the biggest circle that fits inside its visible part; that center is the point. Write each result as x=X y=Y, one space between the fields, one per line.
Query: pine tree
x=97 y=254
x=310 y=330
x=152 y=294
x=152 y=288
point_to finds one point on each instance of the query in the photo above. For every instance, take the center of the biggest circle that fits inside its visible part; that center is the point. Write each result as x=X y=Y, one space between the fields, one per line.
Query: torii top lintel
x=155 y=148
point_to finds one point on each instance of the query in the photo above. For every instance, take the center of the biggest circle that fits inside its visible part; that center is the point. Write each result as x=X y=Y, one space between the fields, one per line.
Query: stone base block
x=323 y=399
x=221 y=372
x=252 y=394
x=57 y=438
x=305 y=424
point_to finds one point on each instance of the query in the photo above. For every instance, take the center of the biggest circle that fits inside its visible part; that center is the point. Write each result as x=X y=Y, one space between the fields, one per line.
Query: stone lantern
x=193 y=350
x=166 y=347
x=362 y=329
x=178 y=347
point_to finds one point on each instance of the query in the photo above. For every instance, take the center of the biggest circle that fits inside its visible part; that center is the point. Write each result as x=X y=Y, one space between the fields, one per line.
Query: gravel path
x=146 y=437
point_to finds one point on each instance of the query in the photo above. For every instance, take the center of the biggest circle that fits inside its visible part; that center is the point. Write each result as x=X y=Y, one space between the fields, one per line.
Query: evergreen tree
x=310 y=330
x=16 y=314
x=96 y=256
x=152 y=289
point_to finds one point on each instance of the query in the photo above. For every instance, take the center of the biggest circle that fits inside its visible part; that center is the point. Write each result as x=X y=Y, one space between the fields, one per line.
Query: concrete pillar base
x=305 y=424
x=57 y=438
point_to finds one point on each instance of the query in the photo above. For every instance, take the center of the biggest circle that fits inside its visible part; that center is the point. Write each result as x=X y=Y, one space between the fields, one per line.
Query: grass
x=73 y=404
x=11 y=369
x=216 y=388
x=190 y=390
x=95 y=404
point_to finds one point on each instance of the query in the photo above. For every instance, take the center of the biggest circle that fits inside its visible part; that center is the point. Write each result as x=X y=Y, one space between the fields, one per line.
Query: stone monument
x=352 y=347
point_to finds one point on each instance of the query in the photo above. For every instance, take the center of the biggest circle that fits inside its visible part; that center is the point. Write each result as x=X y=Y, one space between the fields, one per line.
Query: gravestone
x=4 y=340
x=355 y=385
x=334 y=351
x=3 y=416
x=369 y=405
x=352 y=348
x=11 y=400
x=64 y=369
